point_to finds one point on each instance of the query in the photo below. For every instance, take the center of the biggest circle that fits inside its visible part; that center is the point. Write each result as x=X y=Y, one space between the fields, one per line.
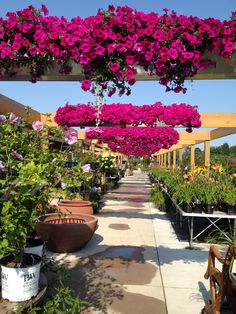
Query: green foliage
x=185 y=193
x=224 y=155
x=157 y=196
x=61 y=299
x=31 y=172
x=224 y=237
x=229 y=196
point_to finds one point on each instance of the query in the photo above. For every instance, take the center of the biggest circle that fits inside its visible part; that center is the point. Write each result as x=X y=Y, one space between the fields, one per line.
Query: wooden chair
x=220 y=283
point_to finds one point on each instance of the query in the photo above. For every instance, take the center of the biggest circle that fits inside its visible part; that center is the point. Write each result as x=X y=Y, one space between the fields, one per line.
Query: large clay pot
x=75 y=207
x=66 y=234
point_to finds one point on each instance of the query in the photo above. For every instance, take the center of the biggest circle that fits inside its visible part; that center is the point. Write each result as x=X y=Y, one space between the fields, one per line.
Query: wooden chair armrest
x=214 y=251
x=213 y=254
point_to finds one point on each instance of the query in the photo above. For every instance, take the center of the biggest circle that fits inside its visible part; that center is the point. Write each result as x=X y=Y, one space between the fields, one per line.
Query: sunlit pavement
x=135 y=263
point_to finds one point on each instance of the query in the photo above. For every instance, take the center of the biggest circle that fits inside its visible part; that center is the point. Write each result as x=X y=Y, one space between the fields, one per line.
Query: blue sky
x=209 y=96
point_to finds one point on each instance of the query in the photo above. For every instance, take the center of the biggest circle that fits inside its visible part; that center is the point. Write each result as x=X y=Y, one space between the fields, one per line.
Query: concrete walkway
x=135 y=263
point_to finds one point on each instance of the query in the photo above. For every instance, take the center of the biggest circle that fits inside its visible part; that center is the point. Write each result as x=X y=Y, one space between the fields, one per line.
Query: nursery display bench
x=212 y=219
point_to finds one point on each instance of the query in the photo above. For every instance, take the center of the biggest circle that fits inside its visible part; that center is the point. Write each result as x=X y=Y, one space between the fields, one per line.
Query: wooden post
x=165 y=160
x=207 y=153
x=174 y=159
x=93 y=148
x=168 y=160
x=192 y=155
x=180 y=156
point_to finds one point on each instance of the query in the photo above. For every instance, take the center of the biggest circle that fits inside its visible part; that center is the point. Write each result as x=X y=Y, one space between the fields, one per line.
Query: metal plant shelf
x=211 y=218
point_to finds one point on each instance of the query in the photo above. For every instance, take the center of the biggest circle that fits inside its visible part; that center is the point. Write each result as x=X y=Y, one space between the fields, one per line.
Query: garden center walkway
x=135 y=263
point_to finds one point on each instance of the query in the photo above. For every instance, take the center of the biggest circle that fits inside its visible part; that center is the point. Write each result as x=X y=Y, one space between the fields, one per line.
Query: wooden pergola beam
x=221 y=132
x=8 y=105
x=209 y=120
x=225 y=69
x=218 y=120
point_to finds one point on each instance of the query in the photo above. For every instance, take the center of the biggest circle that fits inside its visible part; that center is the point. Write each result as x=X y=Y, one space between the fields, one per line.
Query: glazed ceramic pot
x=75 y=207
x=66 y=234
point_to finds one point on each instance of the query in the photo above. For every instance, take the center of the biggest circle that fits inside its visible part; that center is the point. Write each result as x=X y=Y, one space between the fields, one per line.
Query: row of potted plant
x=207 y=191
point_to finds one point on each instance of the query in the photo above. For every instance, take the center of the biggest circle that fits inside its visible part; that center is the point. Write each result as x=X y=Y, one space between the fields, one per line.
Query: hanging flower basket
x=169 y=46
x=129 y=115
x=135 y=141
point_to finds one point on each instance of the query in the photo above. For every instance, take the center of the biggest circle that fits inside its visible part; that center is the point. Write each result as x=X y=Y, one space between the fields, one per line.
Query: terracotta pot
x=66 y=234
x=75 y=201
x=75 y=207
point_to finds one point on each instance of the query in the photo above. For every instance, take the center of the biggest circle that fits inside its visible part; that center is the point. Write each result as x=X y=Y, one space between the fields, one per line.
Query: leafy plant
x=30 y=173
x=61 y=299
x=229 y=195
x=157 y=197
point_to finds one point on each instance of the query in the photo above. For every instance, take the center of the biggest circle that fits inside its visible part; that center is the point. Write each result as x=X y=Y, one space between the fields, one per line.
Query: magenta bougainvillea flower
x=135 y=141
x=127 y=114
x=168 y=45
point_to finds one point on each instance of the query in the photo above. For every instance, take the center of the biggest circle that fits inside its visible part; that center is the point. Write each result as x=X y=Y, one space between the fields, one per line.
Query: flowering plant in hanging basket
x=135 y=141
x=128 y=114
x=112 y=44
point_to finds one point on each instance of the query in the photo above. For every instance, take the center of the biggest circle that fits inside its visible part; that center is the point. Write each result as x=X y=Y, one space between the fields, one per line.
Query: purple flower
x=38 y=126
x=86 y=168
x=3 y=118
x=2 y=166
x=16 y=155
x=14 y=118
x=71 y=137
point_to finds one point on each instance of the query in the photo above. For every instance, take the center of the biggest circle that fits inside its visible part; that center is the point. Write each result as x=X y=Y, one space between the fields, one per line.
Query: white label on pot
x=20 y=284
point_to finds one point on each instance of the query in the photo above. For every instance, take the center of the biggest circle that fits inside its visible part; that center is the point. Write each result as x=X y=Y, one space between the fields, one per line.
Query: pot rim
x=9 y=256
x=93 y=218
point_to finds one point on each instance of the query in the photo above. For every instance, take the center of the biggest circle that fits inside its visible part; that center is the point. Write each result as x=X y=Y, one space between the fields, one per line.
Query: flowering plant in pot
x=29 y=173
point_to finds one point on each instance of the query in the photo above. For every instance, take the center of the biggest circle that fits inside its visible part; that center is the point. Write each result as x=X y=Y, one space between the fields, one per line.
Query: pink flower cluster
x=110 y=44
x=135 y=141
x=127 y=114
x=80 y=115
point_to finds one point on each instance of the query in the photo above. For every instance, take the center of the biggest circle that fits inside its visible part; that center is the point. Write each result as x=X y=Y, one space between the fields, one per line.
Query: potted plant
x=22 y=192
x=229 y=197
x=211 y=196
x=29 y=173
x=157 y=197
x=184 y=193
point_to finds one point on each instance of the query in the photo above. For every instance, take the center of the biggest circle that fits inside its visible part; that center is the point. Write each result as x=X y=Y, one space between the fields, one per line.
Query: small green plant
x=224 y=237
x=61 y=299
x=229 y=196
x=157 y=197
